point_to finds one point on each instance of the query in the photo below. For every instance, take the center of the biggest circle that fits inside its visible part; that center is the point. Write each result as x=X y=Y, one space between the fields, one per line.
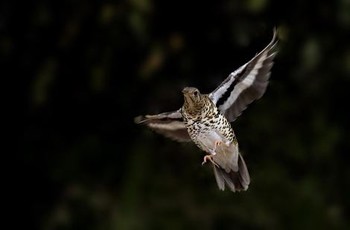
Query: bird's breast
x=205 y=132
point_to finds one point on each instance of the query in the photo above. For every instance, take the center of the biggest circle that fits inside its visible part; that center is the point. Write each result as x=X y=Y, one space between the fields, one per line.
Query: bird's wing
x=246 y=84
x=170 y=124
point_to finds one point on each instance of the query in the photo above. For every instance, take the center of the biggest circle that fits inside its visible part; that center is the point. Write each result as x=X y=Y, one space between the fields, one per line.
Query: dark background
x=84 y=70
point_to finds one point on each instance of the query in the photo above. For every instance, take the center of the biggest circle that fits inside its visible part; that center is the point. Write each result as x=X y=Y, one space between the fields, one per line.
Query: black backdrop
x=84 y=70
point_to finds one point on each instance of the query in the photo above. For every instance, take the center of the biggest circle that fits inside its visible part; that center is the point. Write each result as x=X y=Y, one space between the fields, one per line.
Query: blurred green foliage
x=88 y=68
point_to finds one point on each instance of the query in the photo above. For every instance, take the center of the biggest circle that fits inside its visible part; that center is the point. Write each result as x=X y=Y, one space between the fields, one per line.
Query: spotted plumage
x=202 y=117
x=205 y=118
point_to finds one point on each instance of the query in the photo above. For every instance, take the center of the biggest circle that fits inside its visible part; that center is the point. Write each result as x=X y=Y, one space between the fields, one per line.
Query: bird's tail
x=235 y=180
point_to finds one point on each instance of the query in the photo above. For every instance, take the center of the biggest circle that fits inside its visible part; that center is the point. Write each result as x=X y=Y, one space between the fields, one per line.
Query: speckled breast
x=201 y=131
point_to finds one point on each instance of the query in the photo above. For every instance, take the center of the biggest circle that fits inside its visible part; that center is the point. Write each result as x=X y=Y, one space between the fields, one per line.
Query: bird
x=205 y=119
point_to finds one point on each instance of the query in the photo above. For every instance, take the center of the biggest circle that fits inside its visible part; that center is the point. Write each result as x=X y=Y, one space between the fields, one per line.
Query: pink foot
x=218 y=143
x=210 y=158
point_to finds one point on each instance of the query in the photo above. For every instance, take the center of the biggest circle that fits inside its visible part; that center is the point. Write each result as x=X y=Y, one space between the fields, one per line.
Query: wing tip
x=274 y=39
x=140 y=119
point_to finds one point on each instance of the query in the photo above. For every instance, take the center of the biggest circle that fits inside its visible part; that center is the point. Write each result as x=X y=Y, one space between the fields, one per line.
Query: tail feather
x=236 y=181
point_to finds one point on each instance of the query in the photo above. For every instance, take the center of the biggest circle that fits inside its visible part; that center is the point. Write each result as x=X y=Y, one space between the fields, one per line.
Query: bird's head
x=194 y=101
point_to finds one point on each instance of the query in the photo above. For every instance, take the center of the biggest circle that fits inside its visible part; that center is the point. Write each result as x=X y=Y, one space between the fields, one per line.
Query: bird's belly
x=205 y=137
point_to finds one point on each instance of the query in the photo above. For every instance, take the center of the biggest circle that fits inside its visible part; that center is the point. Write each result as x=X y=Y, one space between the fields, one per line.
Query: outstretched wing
x=169 y=124
x=246 y=84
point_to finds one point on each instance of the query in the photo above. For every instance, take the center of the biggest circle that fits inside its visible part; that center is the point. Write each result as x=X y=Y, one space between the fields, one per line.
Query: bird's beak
x=185 y=90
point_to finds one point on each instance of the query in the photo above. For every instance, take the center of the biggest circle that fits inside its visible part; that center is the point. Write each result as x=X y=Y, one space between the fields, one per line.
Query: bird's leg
x=216 y=144
x=210 y=158
x=212 y=153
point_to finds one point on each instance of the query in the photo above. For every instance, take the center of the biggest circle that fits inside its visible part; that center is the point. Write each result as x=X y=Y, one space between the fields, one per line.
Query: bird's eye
x=195 y=93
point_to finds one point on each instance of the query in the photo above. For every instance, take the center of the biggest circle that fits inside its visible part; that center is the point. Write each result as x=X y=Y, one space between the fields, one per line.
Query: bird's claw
x=218 y=143
x=210 y=158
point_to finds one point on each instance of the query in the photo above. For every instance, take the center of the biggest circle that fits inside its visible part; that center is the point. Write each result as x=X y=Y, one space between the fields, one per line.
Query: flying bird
x=205 y=119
